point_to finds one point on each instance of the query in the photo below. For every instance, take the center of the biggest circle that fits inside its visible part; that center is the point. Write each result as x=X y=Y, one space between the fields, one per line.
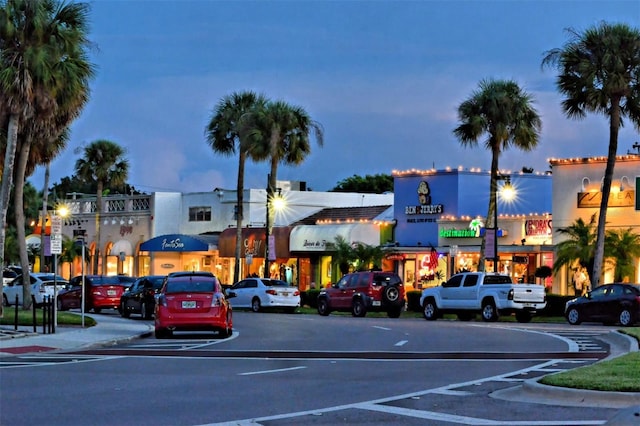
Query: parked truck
x=489 y=294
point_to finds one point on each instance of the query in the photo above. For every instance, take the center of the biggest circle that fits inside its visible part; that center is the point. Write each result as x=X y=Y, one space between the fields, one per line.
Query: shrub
x=555 y=305
x=309 y=298
x=413 y=300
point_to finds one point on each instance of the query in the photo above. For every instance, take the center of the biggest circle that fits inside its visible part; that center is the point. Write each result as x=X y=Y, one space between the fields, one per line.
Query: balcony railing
x=110 y=204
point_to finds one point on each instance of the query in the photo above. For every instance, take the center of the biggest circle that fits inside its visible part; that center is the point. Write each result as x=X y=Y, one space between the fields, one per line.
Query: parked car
x=259 y=293
x=42 y=285
x=609 y=304
x=192 y=301
x=101 y=292
x=8 y=275
x=360 y=292
x=140 y=297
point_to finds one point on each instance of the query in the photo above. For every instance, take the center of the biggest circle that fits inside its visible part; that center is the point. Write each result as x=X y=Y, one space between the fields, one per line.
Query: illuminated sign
x=424 y=200
x=616 y=199
x=458 y=233
x=537 y=227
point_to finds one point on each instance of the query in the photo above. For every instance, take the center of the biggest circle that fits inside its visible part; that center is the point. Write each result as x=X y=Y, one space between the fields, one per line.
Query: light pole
x=274 y=202
x=508 y=193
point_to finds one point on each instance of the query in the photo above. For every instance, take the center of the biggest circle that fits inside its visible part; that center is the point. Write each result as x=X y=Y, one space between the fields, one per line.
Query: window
x=470 y=281
x=199 y=214
x=454 y=281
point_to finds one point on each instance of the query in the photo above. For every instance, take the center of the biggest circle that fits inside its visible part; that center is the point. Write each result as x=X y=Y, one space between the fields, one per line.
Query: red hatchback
x=192 y=301
x=101 y=292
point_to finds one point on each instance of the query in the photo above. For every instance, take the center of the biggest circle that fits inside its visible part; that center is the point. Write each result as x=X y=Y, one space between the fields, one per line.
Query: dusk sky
x=384 y=78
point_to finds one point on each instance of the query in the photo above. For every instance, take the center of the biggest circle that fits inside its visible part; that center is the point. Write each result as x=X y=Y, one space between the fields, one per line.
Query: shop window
x=199 y=214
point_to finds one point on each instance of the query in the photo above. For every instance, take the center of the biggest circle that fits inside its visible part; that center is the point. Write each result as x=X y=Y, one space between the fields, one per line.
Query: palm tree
x=70 y=251
x=103 y=162
x=504 y=113
x=622 y=247
x=225 y=136
x=343 y=255
x=598 y=72
x=284 y=131
x=44 y=74
x=577 y=250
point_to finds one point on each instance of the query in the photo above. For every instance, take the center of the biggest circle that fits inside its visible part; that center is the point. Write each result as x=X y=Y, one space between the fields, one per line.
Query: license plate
x=189 y=304
x=376 y=303
x=528 y=305
x=111 y=293
x=285 y=294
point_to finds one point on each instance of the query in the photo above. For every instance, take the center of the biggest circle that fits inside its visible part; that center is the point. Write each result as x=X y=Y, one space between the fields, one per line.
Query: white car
x=42 y=284
x=259 y=293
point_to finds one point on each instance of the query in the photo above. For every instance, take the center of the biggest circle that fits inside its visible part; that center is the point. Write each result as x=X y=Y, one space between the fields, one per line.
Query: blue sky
x=384 y=78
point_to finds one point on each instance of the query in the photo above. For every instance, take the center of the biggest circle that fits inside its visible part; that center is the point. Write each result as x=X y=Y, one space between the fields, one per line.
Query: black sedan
x=140 y=297
x=609 y=304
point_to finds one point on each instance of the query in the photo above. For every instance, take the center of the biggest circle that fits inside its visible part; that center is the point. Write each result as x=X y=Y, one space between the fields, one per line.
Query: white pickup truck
x=491 y=295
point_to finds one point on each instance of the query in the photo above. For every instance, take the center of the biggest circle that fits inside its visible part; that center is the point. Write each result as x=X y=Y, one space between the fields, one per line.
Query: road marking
x=271 y=371
x=381 y=328
x=401 y=343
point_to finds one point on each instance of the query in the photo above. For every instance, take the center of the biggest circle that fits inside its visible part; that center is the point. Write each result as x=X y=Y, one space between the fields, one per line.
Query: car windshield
x=275 y=283
x=190 y=286
x=106 y=280
x=157 y=282
x=50 y=277
x=58 y=283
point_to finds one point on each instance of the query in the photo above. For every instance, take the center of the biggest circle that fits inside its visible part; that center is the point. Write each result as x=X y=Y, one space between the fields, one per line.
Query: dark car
x=140 y=297
x=192 y=301
x=101 y=292
x=360 y=292
x=609 y=304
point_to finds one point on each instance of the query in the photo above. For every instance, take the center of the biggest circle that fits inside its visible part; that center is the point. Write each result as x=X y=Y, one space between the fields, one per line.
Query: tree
x=284 y=132
x=504 y=113
x=599 y=71
x=343 y=254
x=225 y=136
x=103 y=162
x=369 y=184
x=367 y=256
x=44 y=75
x=622 y=247
x=577 y=250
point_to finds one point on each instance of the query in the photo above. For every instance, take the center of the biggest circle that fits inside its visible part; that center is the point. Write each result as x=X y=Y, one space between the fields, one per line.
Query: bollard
x=15 y=323
x=44 y=314
x=33 y=308
x=52 y=322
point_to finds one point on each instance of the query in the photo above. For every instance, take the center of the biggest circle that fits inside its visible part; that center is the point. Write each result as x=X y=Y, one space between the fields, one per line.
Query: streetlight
x=274 y=201
x=508 y=193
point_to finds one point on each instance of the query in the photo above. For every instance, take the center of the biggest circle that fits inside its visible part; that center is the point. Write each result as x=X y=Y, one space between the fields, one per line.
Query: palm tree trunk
x=489 y=222
x=240 y=202
x=614 y=127
x=7 y=178
x=97 y=253
x=18 y=195
x=45 y=199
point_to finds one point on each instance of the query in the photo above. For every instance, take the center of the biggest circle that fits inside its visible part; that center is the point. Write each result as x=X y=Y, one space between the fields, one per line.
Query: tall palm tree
x=503 y=112
x=577 y=250
x=103 y=162
x=44 y=75
x=598 y=72
x=284 y=131
x=622 y=247
x=225 y=136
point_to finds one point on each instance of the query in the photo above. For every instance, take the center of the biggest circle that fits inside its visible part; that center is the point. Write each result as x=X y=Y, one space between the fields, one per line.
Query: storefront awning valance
x=181 y=242
x=319 y=238
x=253 y=242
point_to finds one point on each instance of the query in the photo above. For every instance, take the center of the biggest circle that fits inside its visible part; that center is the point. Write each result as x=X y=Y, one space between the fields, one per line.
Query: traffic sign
x=55 y=242
x=56 y=225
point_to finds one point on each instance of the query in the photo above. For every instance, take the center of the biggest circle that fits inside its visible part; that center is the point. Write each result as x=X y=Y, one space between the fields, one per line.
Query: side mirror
x=231 y=294
x=443 y=283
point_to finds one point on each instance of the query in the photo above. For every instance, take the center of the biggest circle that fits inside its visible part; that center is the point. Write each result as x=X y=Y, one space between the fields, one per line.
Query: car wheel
x=123 y=311
x=489 y=312
x=573 y=316
x=626 y=317
x=466 y=316
x=523 y=316
x=430 y=310
x=255 y=305
x=394 y=313
x=391 y=294
x=162 y=333
x=358 y=309
x=227 y=331
x=323 y=307
x=143 y=311
x=97 y=310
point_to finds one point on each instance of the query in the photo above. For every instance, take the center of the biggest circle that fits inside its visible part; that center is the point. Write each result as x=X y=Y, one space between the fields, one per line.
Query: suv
x=360 y=292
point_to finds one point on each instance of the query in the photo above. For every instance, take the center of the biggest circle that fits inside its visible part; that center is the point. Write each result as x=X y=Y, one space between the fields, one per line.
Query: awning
x=319 y=238
x=121 y=246
x=181 y=242
x=253 y=242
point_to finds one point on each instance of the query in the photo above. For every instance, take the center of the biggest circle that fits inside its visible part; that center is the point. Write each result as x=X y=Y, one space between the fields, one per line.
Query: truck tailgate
x=528 y=293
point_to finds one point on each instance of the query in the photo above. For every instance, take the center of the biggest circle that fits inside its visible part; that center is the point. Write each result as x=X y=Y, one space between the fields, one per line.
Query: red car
x=192 y=301
x=101 y=292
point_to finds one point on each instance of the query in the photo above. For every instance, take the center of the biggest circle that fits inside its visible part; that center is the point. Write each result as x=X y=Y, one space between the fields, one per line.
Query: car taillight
x=296 y=293
x=162 y=301
x=271 y=292
x=510 y=296
x=217 y=301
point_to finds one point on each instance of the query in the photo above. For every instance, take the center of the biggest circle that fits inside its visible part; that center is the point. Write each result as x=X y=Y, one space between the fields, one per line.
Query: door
x=450 y=292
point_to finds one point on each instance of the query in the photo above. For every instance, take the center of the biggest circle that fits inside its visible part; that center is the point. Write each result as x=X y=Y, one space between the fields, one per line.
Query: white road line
x=271 y=371
x=401 y=343
x=381 y=328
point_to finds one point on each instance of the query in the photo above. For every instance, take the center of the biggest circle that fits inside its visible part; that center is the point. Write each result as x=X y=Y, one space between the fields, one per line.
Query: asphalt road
x=283 y=369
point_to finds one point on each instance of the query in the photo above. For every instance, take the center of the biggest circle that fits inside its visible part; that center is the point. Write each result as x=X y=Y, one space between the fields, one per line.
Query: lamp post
x=267 y=231
x=275 y=202
x=508 y=193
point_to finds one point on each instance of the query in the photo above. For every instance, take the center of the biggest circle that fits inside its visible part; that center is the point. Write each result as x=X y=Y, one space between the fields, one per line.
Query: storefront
x=178 y=252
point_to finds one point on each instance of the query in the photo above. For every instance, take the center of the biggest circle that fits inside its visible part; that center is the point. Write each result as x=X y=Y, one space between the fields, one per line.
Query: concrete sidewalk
x=109 y=329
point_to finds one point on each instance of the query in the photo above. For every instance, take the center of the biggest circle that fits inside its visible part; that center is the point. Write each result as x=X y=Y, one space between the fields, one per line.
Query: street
x=282 y=369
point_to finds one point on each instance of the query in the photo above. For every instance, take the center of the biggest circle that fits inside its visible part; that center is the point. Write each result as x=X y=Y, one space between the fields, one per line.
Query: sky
x=383 y=78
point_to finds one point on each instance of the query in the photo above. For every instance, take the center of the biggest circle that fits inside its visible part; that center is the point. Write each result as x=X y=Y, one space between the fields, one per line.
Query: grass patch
x=620 y=374
x=25 y=318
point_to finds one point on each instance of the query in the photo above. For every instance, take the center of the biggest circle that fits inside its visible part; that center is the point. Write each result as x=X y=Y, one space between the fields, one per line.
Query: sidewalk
x=109 y=329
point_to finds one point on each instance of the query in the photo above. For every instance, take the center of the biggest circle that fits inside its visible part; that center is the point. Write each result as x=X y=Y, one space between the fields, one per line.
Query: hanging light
x=130 y=221
x=113 y=221
x=106 y=221
x=121 y=221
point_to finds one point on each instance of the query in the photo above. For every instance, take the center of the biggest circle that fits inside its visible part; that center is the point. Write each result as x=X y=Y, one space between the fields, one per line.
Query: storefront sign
x=424 y=199
x=624 y=198
x=395 y=256
x=537 y=227
x=458 y=233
